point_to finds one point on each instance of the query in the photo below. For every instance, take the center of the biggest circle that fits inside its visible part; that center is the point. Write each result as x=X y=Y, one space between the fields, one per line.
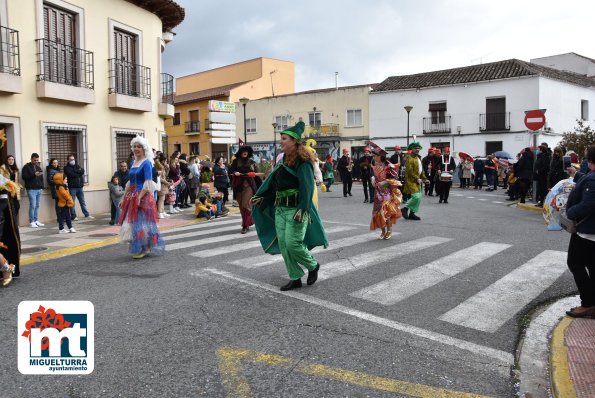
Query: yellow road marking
x=237 y=386
x=560 y=372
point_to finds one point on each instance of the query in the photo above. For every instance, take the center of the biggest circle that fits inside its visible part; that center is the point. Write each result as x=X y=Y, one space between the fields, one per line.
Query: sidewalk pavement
x=45 y=243
x=572 y=358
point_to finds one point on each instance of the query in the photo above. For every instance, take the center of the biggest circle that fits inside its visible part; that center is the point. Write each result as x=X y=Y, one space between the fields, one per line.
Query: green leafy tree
x=579 y=139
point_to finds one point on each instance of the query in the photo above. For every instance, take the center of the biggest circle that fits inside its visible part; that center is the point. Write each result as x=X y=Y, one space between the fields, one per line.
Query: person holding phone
x=33 y=177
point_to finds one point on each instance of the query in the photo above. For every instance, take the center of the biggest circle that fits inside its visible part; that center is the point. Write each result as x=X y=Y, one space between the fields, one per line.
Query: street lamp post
x=244 y=101
x=408 y=108
x=275 y=140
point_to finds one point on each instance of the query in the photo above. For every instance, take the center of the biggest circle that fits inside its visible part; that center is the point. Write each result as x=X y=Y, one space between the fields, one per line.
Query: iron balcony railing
x=167 y=89
x=192 y=127
x=129 y=79
x=438 y=124
x=59 y=63
x=494 y=121
x=10 y=59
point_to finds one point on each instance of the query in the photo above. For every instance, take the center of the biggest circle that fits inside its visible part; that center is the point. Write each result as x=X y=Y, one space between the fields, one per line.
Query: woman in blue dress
x=139 y=212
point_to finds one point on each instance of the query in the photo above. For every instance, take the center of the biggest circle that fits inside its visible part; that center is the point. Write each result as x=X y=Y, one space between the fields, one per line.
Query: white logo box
x=79 y=361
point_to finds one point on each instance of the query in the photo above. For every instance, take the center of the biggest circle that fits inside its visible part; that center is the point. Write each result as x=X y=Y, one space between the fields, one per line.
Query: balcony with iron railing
x=129 y=86
x=436 y=125
x=494 y=121
x=192 y=128
x=10 y=61
x=328 y=130
x=64 y=72
x=166 y=100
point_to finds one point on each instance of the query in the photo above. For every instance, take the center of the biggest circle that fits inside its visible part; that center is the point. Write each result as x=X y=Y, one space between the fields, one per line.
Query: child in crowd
x=214 y=203
x=204 y=209
x=115 y=193
x=65 y=203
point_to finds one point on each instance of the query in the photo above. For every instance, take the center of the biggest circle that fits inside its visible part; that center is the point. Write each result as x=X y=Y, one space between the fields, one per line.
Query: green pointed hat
x=414 y=144
x=295 y=131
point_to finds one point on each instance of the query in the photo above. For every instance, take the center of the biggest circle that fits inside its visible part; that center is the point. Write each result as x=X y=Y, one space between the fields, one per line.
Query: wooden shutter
x=59 y=49
x=126 y=70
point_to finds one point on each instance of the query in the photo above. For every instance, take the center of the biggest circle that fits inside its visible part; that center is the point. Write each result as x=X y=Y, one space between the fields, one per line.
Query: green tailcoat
x=264 y=213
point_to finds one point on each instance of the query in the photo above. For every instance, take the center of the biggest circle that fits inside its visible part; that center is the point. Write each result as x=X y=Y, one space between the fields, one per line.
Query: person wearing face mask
x=76 y=180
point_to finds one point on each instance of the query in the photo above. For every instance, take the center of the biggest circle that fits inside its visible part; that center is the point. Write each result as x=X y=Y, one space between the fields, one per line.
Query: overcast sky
x=368 y=40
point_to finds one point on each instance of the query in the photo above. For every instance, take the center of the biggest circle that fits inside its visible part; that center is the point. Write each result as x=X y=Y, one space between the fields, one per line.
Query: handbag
x=567 y=224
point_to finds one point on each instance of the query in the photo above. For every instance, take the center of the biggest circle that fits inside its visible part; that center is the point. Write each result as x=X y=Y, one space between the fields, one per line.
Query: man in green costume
x=286 y=220
x=414 y=176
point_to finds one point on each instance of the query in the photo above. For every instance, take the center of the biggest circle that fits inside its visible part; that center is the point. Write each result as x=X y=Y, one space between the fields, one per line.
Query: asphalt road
x=436 y=310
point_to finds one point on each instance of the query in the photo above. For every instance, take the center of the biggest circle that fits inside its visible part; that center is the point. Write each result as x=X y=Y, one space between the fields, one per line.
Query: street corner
x=231 y=360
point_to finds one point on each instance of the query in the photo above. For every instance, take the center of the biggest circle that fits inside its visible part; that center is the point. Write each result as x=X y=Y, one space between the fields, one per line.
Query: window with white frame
x=584 y=110
x=438 y=112
x=62 y=141
x=251 y=125
x=354 y=118
x=315 y=119
x=282 y=122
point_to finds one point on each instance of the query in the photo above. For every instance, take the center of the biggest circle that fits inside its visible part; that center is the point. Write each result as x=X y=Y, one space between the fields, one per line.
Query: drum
x=445 y=177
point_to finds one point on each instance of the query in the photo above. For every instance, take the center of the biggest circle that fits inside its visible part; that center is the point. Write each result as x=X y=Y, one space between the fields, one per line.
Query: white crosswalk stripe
x=400 y=287
x=207 y=241
x=205 y=225
x=250 y=245
x=196 y=234
x=492 y=307
x=344 y=266
x=266 y=259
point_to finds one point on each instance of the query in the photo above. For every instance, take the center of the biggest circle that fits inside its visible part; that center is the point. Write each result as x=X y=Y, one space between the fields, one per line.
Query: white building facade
x=480 y=109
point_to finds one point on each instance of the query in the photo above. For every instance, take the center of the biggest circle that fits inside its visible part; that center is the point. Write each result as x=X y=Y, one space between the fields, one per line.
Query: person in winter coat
x=523 y=170
x=52 y=168
x=33 y=177
x=328 y=172
x=557 y=172
x=76 y=175
x=580 y=207
x=221 y=178
x=542 y=168
x=115 y=193
x=65 y=203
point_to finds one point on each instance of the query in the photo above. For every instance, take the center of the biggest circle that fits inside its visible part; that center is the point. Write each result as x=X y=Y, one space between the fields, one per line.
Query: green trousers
x=414 y=202
x=290 y=235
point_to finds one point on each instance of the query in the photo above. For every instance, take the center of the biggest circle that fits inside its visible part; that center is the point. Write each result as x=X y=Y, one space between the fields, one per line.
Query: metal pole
x=275 y=142
x=245 y=139
x=407 y=128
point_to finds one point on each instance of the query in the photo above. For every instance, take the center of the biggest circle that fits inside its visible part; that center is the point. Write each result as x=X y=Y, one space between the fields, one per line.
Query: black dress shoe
x=313 y=275
x=345 y=195
x=292 y=285
x=430 y=194
x=412 y=216
x=405 y=212
x=365 y=200
x=349 y=193
x=244 y=230
x=445 y=201
x=440 y=201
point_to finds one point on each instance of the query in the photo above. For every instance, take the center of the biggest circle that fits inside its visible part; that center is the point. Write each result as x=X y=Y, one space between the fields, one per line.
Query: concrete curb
x=561 y=382
x=526 y=207
x=100 y=243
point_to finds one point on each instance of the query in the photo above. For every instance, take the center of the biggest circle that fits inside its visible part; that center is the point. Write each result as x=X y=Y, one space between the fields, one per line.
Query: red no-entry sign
x=535 y=119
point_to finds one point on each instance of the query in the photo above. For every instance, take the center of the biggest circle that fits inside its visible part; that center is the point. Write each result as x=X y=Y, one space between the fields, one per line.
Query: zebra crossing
x=486 y=310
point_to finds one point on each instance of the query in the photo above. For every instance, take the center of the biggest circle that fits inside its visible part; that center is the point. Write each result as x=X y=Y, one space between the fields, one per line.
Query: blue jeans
x=34 y=199
x=77 y=193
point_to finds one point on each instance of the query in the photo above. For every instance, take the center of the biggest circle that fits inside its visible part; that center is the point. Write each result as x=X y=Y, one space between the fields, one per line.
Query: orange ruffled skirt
x=387 y=201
